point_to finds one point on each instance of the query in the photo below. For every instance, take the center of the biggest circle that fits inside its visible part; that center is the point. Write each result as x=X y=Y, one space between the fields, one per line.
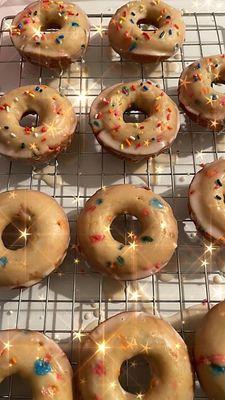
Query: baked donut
x=130 y=41
x=44 y=230
x=201 y=102
x=209 y=352
x=51 y=49
x=206 y=201
x=55 y=130
x=134 y=141
x=37 y=358
x=143 y=255
x=127 y=335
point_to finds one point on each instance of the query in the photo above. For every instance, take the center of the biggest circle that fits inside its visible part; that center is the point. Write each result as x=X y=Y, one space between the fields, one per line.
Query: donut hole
x=30 y=119
x=146 y=25
x=20 y=385
x=125 y=227
x=51 y=26
x=218 y=86
x=17 y=234
x=134 y=114
x=135 y=375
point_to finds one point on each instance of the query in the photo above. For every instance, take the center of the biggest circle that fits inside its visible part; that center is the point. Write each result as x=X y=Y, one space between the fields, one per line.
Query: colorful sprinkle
x=38 y=89
x=217 y=369
x=218 y=197
x=3 y=261
x=98 y=237
x=99 y=201
x=132 y=46
x=120 y=261
x=155 y=203
x=99 y=368
x=146 y=239
x=75 y=24
x=162 y=34
x=218 y=182
x=42 y=367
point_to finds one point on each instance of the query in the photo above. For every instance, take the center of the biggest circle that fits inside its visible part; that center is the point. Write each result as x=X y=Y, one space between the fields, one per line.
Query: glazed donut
x=134 y=141
x=43 y=227
x=51 y=49
x=202 y=103
x=124 y=336
x=206 y=201
x=56 y=126
x=143 y=255
x=127 y=38
x=37 y=358
x=209 y=352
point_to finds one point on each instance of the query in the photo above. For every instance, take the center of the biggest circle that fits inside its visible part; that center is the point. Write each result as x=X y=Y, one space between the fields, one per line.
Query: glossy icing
x=37 y=358
x=46 y=237
x=54 y=132
x=143 y=255
x=206 y=200
x=202 y=102
x=130 y=41
x=122 y=337
x=134 y=141
x=51 y=49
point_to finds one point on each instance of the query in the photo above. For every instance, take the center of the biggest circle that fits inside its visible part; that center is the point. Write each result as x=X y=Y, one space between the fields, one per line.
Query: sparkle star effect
x=7 y=346
x=134 y=295
x=24 y=234
x=78 y=335
x=102 y=347
x=100 y=30
x=133 y=245
x=140 y=396
x=184 y=82
x=204 y=263
x=209 y=248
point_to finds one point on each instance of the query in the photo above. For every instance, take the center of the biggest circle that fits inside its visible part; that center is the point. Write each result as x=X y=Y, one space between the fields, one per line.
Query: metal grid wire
x=61 y=304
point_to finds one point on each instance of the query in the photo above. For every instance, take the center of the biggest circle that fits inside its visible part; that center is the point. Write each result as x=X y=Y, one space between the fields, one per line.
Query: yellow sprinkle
x=121 y=146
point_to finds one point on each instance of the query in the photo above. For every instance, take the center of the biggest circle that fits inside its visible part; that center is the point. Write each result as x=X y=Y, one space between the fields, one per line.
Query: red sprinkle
x=98 y=237
x=99 y=368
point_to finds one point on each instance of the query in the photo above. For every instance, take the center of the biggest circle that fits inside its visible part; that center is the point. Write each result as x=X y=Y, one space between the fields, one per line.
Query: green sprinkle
x=99 y=201
x=146 y=239
x=120 y=261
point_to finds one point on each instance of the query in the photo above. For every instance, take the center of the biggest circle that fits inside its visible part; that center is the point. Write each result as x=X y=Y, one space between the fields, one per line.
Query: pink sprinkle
x=99 y=368
x=98 y=237
x=91 y=208
x=145 y=212
x=222 y=101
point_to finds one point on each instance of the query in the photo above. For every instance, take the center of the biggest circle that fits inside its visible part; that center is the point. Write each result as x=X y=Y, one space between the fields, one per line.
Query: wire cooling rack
x=75 y=298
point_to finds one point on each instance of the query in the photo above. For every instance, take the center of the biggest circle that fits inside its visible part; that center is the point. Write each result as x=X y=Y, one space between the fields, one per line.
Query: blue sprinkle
x=3 y=261
x=217 y=369
x=145 y=88
x=133 y=13
x=170 y=32
x=132 y=46
x=75 y=24
x=198 y=65
x=99 y=201
x=214 y=97
x=162 y=34
x=61 y=36
x=20 y=26
x=155 y=203
x=96 y=122
x=38 y=89
x=58 y=40
x=132 y=21
x=42 y=367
